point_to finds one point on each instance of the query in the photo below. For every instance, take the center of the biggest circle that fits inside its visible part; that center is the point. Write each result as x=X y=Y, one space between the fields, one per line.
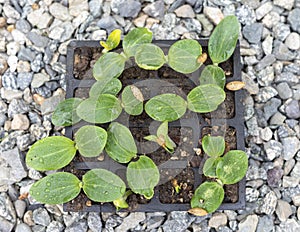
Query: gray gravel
x=33 y=39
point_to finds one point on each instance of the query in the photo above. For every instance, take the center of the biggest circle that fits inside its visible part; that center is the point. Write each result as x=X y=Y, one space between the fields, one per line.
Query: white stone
x=263 y=10
x=185 y=11
x=98 y=35
x=286 y=4
x=19 y=36
x=60 y=12
x=249 y=224
x=217 y=220
x=12 y=48
x=283 y=210
x=80 y=18
x=20 y=122
x=23 y=66
x=296 y=200
x=44 y=21
x=271 y=19
x=39 y=79
x=290 y=181
x=9 y=94
x=292 y=41
x=12 y=62
x=77 y=6
x=267 y=45
x=214 y=14
x=35 y=16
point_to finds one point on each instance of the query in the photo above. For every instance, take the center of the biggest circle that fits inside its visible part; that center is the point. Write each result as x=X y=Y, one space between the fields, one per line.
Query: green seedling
x=176 y=186
x=112 y=41
x=121 y=202
x=162 y=138
x=229 y=168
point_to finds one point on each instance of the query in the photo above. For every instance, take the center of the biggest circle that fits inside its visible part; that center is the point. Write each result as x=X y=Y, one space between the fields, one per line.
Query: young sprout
x=112 y=41
x=176 y=186
x=121 y=202
x=162 y=138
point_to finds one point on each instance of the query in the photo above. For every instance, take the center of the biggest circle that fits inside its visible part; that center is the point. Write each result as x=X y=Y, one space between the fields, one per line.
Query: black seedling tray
x=191 y=121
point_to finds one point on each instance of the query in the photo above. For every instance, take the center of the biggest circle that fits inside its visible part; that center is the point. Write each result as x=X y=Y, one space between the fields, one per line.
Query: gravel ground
x=33 y=39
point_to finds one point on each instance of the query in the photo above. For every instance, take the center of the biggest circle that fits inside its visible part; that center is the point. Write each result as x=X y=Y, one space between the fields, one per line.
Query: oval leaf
x=233 y=167
x=112 y=87
x=205 y=98
x=213 y=146
x=90 y=140
x=150 y=57
x=134 y=38
x=101 y=185
x=108 y=66
x=56 y=188
x=183 y=55
x=65 y=113
x=120 y=144
x=166 y=107
x=210 y=166
x=132 y=100
x=51 y=153
x=212 y=74
x=223 y=40
x=105 y=108
x=208 y=196
x=112 y=41
x=142 y=176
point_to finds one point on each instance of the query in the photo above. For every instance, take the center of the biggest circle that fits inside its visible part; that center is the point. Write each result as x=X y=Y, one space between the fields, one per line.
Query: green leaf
x=134 y=38
x=152 y=138
x=51 y=153
x=210 y=166
x=183 y=56
x=65 y=113
x=213 y=146
x=212 y=74
x=208 y=196
x=163 y=129
x=150 y=57
x=233 y=167
x=142 y=176
x=162 y=134
x=104 y=86
x=223 y=40
x=101 y=185
x=120 y=145
x=112 y=41
x=90 y=140
x=105 y=108
x=166 y=107
x=109 y=66
x=205 y=98
x=132 y=100
x=56 y=188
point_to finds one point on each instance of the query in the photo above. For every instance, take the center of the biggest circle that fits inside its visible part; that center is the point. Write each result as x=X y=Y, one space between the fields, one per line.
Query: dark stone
x=271 y=107
x=26 y=54
x=293 y=19
x=23 y=25
x=253 y=32
x=24 y=79
x=292 y=110
x=274 y=176
x=38 y=40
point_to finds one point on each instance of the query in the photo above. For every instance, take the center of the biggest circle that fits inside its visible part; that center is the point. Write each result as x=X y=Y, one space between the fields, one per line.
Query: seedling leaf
x=112 y=87
x=109 y=66
x=90 y=140
x=105 y=108
x=210 y=166
x=166 y=107
x=101 y=185
x=233 y=167
x=149 y=57
x=208 y=196
x=134 y=38
x=120 y=145
x=132 y=100
x=51 y=153
x=65 y=113
x=56 y=188
x=121 y=202
x=205 y=98
x=183 y=55
x=143 y=176
x=212 y=74
x=112 y=41
x=223 y=40
x=213 y=146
